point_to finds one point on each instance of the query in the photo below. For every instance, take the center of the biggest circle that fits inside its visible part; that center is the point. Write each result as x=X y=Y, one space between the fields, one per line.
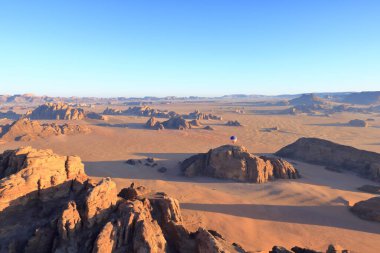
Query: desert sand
x=308 y=212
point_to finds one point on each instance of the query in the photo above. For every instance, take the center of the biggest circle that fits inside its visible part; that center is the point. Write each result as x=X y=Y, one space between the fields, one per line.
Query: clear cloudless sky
x=193 y=47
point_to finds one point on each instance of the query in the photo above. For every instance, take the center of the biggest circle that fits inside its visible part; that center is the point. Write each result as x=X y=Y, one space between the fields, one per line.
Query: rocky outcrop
x=153 y=123
x=197 y=115
x=141 y=111
x=233 y=123
x=195 y=123
x=368 y=209
x=235 y=162
x=28 y=174
x=358 y=123
x=147 y=111
x=172 y=123
x=112 y=111
x=308 y=100
x=176 y=123
x=327 y=153
x=94 y=115
x=48 y=204
x=57 y=111
x=26 y=130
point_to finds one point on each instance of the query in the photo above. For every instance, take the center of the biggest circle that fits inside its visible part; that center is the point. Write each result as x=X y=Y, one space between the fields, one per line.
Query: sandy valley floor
x=310 y=212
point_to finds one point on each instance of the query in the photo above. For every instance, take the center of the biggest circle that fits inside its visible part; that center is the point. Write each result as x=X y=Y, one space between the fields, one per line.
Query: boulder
x=235 y=162
x=333 y=155
x=208 y=128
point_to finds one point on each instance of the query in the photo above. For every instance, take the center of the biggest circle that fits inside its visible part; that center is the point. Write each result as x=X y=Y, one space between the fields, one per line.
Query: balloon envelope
x=233 y=139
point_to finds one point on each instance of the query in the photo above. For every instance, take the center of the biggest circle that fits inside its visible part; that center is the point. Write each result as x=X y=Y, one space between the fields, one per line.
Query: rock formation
x=48 y=204
x=327 y=153
x=153 y=123
x=195 y=123
x=233 y=123
x=172 y=123
x=112 y=111
x=358 y=123
x=57 y=111
x=176 y=123
x=141 y=111
x=147 y=111
x=368 y=209
x=307 y=99
x=235 y=162
x=26 y=130
x=94 y=115
x=197 y=115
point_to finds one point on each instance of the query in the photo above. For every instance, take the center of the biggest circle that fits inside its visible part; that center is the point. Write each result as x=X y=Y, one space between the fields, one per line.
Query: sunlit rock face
x=235 y=162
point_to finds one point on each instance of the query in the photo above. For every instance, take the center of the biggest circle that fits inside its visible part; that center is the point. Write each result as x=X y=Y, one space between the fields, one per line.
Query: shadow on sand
x=324 y=215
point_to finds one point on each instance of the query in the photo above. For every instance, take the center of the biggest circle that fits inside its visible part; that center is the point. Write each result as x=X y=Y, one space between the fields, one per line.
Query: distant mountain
x=363 y=98
x=307 y=99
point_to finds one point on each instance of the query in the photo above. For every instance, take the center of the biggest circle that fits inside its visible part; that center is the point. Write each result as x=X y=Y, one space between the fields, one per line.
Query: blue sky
x=205 y=47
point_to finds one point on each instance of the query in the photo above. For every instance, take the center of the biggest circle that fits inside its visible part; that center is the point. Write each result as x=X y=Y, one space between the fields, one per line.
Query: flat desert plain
x=310 y=212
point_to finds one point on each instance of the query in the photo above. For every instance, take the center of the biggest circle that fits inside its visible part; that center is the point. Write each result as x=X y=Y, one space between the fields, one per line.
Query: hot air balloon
x=233 y=139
